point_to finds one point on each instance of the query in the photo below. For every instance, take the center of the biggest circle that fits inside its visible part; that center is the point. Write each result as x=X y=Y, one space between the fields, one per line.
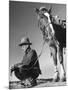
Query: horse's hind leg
x=62 y=69
x=53 y=50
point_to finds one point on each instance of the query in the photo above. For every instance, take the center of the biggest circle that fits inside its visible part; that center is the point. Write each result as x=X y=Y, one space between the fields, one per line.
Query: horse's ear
x=50 y=10
x=37 y=10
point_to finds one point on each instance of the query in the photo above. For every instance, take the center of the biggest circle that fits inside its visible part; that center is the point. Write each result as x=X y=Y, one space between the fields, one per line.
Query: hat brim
x=21 y=44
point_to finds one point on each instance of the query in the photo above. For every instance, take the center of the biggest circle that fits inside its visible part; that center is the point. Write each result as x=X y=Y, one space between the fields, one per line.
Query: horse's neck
x=47 y=31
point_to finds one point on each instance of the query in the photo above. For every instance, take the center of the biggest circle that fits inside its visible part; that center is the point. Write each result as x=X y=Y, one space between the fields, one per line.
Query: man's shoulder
x=33 y=52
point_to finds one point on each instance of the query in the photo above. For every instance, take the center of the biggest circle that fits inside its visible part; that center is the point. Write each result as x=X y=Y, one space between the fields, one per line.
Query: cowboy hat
x=25 y=41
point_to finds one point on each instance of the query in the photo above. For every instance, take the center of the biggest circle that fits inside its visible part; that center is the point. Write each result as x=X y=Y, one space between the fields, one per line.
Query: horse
x=55 y=36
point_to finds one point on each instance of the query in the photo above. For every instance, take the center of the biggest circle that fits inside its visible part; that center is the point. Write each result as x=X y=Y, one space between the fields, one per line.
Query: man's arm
x=33 y=58
x=15 y=66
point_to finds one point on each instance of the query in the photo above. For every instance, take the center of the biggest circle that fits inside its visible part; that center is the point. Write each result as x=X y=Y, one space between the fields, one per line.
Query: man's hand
x=18 y=65
x=12 y=69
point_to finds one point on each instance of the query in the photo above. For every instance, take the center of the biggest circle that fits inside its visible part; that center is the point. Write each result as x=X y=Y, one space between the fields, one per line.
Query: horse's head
x=44 y=14
x=44 y=18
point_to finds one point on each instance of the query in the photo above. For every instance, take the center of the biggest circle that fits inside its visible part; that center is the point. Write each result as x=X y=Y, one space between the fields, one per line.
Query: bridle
x=47 y=24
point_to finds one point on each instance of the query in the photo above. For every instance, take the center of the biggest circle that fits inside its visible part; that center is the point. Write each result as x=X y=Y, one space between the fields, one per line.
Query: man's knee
x=18 y=74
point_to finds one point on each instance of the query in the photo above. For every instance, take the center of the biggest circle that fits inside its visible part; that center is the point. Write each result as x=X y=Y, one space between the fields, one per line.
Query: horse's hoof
x=56 y=77
x=63 y=79
x=56 y=80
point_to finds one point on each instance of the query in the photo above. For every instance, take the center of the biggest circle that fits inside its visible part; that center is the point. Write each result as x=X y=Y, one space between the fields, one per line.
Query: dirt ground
x=40 y=83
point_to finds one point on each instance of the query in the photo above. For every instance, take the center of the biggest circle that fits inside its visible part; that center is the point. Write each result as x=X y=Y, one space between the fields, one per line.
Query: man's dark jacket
x=29 y=67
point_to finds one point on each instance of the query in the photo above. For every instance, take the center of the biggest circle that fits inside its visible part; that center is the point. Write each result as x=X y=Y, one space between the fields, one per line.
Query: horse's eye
x=41 y=16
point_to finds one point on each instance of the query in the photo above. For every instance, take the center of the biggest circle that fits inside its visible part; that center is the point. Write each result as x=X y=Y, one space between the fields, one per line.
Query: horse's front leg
x=53 y=50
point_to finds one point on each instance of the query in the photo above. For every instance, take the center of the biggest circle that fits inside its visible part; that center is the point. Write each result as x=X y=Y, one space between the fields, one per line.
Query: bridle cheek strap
x=47 y=24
